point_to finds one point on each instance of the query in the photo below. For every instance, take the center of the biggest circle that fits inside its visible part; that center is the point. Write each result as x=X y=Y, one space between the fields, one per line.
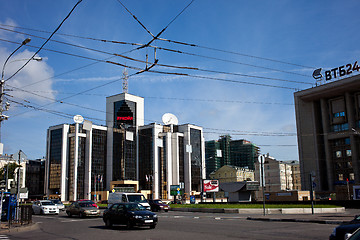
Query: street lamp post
x=2 y=83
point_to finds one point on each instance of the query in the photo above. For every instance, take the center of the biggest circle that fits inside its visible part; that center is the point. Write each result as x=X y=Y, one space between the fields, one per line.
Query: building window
x=338 y=154
x=348 y=153
x=341 y=177
x=349 y=164
x=339 y=114
x=347 y=141
x=340 y=127
x=352 y=176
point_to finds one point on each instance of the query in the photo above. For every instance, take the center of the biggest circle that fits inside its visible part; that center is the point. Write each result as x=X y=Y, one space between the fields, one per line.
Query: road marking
x=4 y=237
x=197 y=217
x=79 y=220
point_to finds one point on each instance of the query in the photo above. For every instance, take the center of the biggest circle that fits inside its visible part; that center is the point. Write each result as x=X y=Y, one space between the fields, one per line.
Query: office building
x=84 y=159
x=327 y=120
x=225 y=151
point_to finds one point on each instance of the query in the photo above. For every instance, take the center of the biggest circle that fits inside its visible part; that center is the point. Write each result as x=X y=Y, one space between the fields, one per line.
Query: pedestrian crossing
x=3 y=237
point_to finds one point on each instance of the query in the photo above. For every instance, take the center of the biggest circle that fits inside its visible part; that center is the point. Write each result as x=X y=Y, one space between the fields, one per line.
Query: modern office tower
x=213 y=155
x=222 y=152
x=76 y=161
x=327 y=120
x=124 y=115
x=243 y=153
x=171 y=155
x=83 y=159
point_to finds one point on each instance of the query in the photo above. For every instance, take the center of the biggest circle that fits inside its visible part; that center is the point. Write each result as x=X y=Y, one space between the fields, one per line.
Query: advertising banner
x=211 y=185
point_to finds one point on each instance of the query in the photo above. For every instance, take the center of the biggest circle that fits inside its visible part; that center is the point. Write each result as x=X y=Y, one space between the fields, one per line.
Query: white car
x=44 y=207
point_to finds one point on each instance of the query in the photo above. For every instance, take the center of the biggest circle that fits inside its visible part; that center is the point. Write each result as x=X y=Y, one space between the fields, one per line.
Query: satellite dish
x=170 y=119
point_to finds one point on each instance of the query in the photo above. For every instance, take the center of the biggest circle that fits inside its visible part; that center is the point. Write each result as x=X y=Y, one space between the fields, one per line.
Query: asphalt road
x=173 y=225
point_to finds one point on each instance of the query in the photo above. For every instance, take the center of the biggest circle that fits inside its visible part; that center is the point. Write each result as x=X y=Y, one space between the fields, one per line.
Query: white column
x=64 y=163
x=88 y=163
x=76 y=158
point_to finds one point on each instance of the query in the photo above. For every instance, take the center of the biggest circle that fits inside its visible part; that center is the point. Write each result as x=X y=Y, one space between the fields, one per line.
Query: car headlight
x=334 y=232
x=86 y=211
x=138 y=217
x=154 y=216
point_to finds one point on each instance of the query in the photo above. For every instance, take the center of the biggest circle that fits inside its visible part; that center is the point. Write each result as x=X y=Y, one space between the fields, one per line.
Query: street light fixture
x=4 y=108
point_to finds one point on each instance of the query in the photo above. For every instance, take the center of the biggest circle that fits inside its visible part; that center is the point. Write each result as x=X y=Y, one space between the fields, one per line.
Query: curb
x=297 y=220
x=24 y=228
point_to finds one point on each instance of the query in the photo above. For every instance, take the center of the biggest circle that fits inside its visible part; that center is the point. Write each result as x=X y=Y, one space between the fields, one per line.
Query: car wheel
x=69 y=214
x=108 y=223
x=81 y=215
x=42 y=212
x=166 y=210
x=129 y=225
x=152 y=226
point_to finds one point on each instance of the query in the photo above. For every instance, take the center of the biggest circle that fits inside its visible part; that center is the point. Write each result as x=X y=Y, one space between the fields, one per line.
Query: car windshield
x=85 y=204
x=47 y=203
x=137 y=198
x=134 y=207
x=158 y=201
x=56 y=201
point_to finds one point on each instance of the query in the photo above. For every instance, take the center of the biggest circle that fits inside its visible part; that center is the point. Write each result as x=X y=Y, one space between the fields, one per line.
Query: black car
x=350 y=227
x=157 y=205
x=129 y=214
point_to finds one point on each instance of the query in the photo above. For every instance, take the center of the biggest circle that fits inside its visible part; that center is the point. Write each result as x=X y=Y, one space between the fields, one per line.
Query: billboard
x=211 y=185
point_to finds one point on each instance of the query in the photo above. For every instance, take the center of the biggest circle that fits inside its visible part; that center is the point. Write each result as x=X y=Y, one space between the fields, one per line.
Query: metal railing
x=20 y=215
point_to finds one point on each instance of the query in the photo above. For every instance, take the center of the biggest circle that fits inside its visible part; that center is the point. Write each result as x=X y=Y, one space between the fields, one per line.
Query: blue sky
x=284 y=40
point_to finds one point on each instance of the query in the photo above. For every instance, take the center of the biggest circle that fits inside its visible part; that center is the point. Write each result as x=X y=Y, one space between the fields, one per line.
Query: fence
x=20 y=215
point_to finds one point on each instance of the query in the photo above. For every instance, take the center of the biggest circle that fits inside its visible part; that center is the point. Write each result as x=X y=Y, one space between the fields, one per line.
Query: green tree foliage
x=12 y=167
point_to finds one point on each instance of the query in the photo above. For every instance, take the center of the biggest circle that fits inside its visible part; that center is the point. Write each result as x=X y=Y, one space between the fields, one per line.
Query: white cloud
x=35 y=76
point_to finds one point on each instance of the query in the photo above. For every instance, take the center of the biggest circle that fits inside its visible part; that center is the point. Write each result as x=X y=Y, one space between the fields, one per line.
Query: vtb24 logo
x=337 y=72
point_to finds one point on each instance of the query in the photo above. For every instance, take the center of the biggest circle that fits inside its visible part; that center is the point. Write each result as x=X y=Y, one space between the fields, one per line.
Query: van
x=119 y=197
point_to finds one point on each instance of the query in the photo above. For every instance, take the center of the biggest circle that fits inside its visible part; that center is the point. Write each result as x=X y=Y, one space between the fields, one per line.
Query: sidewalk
x=335 y=217
x=4 y=228
x=325 y=218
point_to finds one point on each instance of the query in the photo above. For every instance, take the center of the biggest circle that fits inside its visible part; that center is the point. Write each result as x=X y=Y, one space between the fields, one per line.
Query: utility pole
x=2 y=83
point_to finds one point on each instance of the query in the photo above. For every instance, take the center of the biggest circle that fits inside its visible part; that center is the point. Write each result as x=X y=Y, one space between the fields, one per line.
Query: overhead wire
x=172 y=66
x=162 y=72
x=62 y=22
x=166 y=40
x=184 y=67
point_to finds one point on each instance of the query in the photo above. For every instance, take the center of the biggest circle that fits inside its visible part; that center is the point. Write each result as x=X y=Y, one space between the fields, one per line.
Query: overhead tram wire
x=172 y=66
x=172 y=98
x=162 y=72
x=179 y=52
x=136 y=73
x=182 y=43
x=79 y=1
x=148 y=31
x=235 y=53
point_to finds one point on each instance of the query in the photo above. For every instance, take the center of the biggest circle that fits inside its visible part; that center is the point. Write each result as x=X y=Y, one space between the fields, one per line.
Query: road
x=173 y=225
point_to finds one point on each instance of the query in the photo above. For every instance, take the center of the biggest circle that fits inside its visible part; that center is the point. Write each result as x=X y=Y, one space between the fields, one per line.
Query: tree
x=11 y=167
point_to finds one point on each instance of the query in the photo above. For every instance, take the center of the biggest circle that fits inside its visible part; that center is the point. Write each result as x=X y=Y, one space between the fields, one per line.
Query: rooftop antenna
x=125 y=81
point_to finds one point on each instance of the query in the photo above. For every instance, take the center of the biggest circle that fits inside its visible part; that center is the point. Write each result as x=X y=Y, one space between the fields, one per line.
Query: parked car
x=83 y=209
x=353 y=236
x=350 y=227
x=118 y=197
x=157 y=205
x=59 y=204
x=44 y=207
x=87 y=200
x=129 y=214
